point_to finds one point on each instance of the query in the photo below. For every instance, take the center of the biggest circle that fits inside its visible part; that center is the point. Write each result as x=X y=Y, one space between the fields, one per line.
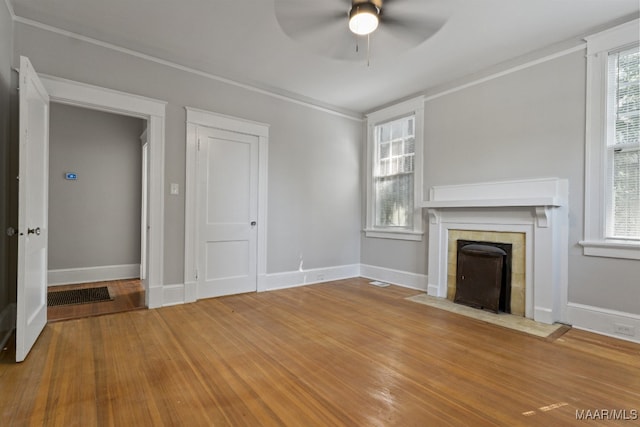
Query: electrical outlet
x=621 y=329
x=320 y=277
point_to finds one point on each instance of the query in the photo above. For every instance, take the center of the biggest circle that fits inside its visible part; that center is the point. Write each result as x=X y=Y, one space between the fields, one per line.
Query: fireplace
x=483 y=275
x=534 y=211
x=517 y=263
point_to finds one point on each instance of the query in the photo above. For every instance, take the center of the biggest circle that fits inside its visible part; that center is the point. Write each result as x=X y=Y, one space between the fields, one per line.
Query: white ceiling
x=242 y=40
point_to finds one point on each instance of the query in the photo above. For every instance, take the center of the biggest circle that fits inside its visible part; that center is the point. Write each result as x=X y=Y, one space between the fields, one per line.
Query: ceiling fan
x=336 y=28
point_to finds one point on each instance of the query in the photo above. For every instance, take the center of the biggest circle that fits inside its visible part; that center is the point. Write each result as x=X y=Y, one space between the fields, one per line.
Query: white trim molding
x=196 y=118
x=10 y=9
x=103 y=99
x=394 y=234
x=293 y=279
x=395 y=277
x=333 y=110
x=513 y=69
x=69 y=276
x=535 y=207
x=173 y=294
x=412 y=106
x=613 y=38
x=613 y=323
x=599 y=45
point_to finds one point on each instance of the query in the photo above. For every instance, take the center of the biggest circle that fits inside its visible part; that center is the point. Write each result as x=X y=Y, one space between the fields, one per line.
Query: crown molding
x=347 y=115
x=577 y=48
x=10 y=9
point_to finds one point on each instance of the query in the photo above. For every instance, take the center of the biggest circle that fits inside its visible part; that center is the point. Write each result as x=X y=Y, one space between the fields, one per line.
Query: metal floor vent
x=78 y=296
x=379 y=284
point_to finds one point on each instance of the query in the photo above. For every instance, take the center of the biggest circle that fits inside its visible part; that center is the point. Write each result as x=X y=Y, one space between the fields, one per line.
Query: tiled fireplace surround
x=530 y=214
x=518 y=262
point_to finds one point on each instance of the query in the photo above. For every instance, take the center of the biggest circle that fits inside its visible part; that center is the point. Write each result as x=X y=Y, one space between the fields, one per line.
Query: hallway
x=127 y=295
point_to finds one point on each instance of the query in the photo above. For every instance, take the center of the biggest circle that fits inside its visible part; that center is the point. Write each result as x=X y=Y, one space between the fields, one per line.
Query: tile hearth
x=510 y=321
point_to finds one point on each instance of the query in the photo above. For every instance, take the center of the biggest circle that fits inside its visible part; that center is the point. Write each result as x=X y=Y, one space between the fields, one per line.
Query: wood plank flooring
x=127 y=295
x=332 y=354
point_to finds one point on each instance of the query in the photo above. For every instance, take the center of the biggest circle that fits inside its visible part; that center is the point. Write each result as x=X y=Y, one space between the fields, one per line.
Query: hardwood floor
x=127 y=295
x=332 y=354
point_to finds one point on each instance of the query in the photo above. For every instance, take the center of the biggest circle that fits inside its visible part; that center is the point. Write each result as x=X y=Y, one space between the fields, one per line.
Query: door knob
x=253 y=223
x=35 y=231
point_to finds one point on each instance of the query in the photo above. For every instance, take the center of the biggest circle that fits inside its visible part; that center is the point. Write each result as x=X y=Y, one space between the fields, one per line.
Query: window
x=623 y=144
x=612 y=196
x=394 y=181
x=394 y=153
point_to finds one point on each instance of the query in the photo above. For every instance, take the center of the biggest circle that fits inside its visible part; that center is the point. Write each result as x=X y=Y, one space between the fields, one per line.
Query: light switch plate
x=174 y=188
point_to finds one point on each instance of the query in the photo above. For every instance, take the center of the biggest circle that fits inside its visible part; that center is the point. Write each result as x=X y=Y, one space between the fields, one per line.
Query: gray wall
x=95 y=220
x=6 y=53
x=522 y=125
x=527 y=124
x=314 y=168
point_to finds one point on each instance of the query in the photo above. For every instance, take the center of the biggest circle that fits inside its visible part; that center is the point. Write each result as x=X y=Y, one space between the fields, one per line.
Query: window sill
x=394 y=234
x=611 y=249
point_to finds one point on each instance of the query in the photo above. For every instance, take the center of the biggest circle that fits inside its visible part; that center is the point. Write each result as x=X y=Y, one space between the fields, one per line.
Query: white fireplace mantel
x=535 y=207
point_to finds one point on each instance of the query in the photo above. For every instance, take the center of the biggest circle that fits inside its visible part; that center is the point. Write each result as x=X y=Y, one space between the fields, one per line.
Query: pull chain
x=368 y=48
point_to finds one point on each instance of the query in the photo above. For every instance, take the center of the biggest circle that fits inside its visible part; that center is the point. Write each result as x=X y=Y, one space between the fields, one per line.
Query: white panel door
x=31 y=304
x=227 y=211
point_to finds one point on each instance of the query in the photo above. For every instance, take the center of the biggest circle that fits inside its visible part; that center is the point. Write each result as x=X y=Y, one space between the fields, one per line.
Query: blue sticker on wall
x=71 y=176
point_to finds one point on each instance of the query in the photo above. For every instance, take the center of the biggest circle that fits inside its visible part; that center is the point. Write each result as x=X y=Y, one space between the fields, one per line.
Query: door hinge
x=196 y=274
x=198 y=144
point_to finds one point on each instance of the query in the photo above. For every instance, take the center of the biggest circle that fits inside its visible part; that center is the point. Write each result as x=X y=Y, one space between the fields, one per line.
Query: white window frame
x=413 y=106
x=599 y=46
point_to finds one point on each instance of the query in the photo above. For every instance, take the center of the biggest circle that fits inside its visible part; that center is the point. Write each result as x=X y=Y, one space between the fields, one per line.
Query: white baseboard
x=432 y=290
x=396 y=277
x=167 y=295
x=543 y=315
x=7 y=323
x=69 y=276
x=154 y=296
x=294 y=279
x=173 y=295
x=190 y=291
x=603 y=321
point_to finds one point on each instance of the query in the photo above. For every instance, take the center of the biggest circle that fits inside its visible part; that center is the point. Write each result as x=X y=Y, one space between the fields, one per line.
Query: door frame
x=144 y=206
x=83 y=95
x=195 y=119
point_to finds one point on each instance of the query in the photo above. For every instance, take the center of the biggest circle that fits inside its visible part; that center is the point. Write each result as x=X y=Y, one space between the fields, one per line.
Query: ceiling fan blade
x=321 y=25
x=305 y=25
x=414 y=29
x=297 y=17
x=337 y=42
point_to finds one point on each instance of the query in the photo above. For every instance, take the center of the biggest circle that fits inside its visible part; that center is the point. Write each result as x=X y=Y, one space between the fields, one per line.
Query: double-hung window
x=394 y=172
x=612 y=196
x=623 y=145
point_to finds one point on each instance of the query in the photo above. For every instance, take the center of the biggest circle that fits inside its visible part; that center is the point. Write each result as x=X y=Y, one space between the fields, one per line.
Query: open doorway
x=97 y=210
x=36 y=94
x=153 y=112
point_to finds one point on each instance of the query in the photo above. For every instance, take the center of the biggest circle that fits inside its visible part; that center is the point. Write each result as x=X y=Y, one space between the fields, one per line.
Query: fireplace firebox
x=483 y=278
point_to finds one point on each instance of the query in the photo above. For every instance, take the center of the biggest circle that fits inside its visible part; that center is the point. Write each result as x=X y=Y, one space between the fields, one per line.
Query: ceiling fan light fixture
x=363 y=18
